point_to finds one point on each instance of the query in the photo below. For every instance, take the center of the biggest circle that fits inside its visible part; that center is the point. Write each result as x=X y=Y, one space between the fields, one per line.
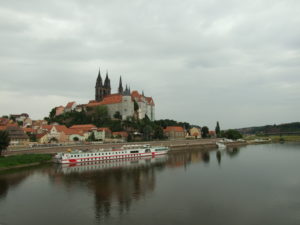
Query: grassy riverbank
x=19 y=160
x=288 y=138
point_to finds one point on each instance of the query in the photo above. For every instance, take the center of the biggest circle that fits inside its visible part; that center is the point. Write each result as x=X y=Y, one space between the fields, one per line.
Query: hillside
x=281 y=128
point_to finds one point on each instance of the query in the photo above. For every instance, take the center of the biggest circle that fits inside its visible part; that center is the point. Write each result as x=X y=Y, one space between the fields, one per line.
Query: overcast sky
x=237 y=62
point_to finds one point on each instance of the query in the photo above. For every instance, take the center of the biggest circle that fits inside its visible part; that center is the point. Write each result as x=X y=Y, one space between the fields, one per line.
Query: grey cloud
x=202 y=61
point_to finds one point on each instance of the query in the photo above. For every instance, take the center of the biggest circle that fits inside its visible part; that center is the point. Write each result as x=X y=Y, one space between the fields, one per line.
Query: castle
x=122 y=103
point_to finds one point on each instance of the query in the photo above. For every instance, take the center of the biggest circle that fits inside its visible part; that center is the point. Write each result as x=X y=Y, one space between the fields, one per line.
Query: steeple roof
x=99 y=79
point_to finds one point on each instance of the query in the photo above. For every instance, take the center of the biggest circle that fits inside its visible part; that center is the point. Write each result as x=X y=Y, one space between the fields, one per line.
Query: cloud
x=202 y=61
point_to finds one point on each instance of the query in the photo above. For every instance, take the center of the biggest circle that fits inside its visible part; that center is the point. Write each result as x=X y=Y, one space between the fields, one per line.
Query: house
x=195 y=132
x=174 y=132
x=16 y=135
x=29 y=130
x=70 y=107
x=87 y=129
x=212 y=134
x=42 y=138
x=36 y=124
x=27 y=122
x=120 y=134
x=19 y=117
x=55 y=133
x=59 y=110
x=107 y=132
x=4 y=121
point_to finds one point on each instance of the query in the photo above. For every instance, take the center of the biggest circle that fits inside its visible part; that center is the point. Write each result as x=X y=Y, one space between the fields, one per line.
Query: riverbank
x=275 y=139
x=19 y=161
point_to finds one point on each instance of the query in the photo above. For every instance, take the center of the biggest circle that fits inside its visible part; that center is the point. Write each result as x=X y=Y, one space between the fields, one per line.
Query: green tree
x=136 y=106
x=204 y=132
x=52 y=113
x=158 y=133
x=218 y=130
x=232 y=134
x=118 y=115
x=92 y=137
x=4 y=141
x=147 y=132
x=129 y=138
x=32 y=137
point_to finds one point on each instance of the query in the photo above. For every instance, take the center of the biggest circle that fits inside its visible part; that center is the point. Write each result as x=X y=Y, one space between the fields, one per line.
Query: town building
x=174 y=132
x=195 y=132
x=16 y=135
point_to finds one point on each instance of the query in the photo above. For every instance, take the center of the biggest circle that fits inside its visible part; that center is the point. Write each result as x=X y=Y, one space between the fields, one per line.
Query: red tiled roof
x=69 y=105
x=3 y=127
x=38 y=136
x=12 y=125
x=135 y=94
x=59 y=128
x=29 y=130
x=69 y=131
x=4 y=121
x=110 y=99
x=121 y=133
x=86 y=127
x=106 y=129
x=150 y=100
x=174 y=128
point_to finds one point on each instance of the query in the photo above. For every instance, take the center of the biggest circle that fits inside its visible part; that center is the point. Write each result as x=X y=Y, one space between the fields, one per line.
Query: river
x=258 y=184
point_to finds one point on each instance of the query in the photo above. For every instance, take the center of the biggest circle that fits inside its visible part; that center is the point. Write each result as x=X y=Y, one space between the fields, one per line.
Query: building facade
x=122 y=103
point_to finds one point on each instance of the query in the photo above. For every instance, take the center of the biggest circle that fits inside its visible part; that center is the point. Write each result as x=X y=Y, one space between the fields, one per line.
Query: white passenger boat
x=111 y=164
x=126 y=151
x=220 y=145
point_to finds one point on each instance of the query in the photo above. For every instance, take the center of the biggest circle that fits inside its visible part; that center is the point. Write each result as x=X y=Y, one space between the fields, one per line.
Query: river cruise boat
x=124 y=163
x=126 y=151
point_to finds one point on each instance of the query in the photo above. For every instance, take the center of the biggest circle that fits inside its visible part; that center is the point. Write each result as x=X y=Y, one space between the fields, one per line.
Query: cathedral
x=121 y=102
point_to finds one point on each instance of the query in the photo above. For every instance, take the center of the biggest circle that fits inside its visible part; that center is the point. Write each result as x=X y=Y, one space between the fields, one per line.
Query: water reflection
x=118 y=181
x=218 y=154
x=233 y=152
x=115 y=185
x=11 y=180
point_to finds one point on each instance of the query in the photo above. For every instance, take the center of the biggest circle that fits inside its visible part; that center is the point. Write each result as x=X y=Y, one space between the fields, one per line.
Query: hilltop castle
x=123 y=101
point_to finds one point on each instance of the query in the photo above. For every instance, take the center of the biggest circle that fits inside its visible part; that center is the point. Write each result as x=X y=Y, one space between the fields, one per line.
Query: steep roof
x=29 y=130
x=39 y=136
x=70 y=105
x=2 y=127
x=4 y=121
x=150 y=100
x=110 y=99
x=174 y=128
x=83 y=126
x=106 y=129
x=121 y=133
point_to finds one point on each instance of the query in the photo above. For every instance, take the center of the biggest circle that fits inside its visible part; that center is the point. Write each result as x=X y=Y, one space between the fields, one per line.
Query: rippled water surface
x=251 y=185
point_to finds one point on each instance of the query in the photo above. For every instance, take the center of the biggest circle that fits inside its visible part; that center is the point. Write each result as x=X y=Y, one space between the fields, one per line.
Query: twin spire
x=104 y=89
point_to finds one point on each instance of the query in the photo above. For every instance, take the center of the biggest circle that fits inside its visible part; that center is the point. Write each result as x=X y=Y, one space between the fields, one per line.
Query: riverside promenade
x=173 y=144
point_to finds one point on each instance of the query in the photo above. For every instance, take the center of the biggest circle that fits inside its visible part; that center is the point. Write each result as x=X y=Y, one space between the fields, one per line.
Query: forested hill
x=281 y=128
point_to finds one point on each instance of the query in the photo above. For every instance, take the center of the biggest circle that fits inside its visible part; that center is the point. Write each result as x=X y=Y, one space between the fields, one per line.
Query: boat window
x=134 y=151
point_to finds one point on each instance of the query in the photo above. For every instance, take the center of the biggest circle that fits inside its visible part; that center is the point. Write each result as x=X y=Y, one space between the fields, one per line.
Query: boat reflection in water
x=110 y=164
x=115 y=184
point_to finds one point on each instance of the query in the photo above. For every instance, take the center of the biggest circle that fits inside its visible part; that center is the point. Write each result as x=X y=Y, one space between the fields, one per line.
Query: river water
x=251 y=185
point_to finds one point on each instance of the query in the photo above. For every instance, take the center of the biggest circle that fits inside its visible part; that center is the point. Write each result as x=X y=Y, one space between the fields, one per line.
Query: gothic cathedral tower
x=102 y=90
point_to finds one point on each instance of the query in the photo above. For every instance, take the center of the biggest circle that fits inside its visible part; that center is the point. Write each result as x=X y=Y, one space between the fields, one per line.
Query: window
x=134 y=151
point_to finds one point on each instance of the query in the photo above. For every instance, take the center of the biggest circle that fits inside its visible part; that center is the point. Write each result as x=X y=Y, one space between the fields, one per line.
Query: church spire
x=106 y=80
x=120 y=86
x=99 y=79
